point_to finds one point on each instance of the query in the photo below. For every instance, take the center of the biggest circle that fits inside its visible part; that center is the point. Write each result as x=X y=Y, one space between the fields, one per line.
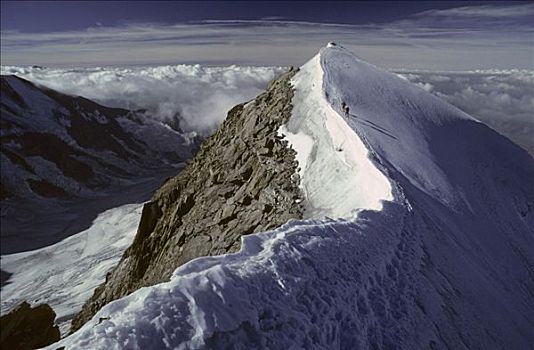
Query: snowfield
x=445 y=263
x=65 y=274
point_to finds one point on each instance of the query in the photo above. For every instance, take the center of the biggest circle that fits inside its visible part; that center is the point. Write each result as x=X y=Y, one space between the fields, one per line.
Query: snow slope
x=65 y=274
x=446 y=264
x=337 y=176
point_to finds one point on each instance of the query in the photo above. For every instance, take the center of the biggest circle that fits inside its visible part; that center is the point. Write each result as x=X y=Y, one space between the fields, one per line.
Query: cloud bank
x=200 y=96
x=463 y=38
x=503 y=99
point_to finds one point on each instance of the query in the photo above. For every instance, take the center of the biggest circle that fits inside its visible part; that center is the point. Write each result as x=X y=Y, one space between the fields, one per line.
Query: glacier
x=446 y=262
x=65 y=274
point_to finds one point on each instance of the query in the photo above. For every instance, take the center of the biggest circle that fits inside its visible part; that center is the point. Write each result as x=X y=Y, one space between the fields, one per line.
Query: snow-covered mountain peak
x=342 y=100
x=443 y=261
x=430 y=142
x=337 y=176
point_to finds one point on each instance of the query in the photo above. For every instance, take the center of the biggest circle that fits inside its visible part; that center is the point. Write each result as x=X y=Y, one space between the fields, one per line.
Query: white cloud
x=200 y=95
x=503 y=99
x=461 y=38
x=487 y=11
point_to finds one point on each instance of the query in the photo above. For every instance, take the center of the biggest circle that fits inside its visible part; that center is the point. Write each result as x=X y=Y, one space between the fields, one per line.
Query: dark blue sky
x=411 y=34
x=43 y=16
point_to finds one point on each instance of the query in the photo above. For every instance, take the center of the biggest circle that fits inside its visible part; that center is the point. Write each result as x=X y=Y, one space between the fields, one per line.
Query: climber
x=345 y=108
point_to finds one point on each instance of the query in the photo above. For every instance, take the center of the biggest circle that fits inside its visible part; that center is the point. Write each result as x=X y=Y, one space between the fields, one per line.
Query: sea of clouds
x=201 y=95
x=503 y=99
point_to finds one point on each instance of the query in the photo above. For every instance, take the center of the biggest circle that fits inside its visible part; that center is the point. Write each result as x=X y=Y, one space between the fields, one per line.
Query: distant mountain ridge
x=65 y=159
x=56 y=145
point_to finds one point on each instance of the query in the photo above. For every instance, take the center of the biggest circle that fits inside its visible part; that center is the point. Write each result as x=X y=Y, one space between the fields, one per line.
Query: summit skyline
x=423 y=35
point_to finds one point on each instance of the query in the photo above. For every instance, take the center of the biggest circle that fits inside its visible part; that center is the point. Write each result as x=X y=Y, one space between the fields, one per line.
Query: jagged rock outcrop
x=243 y=180
x=28 y=328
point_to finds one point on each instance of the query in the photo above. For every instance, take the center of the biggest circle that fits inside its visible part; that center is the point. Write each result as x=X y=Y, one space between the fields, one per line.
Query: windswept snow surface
x=65 y=274
x=337 y=176
x=447 y=264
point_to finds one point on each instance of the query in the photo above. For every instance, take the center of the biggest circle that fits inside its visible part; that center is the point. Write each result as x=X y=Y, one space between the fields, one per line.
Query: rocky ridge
x=28 y=328
x=243 y=180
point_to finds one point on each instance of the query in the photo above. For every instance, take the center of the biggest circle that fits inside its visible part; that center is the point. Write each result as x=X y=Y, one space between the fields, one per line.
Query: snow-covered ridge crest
x=396 y=120
x=339 y=181
x=337 y=177
x=417 y=274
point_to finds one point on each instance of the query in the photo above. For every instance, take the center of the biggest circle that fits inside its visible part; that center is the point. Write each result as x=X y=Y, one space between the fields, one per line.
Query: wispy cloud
x=487 y=11
x=503 y=99
x=460 y=38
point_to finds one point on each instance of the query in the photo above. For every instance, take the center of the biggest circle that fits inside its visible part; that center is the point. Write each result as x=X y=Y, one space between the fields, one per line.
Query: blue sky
x=426 y=35
x=43 y=16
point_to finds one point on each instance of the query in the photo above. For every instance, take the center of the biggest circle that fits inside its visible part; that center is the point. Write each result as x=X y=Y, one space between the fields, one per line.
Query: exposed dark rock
x=174 y=122
x=17 y=159
x=96 y=126
x=4 y=192
x=241 y=181
x=55 y=150
x=46 y=189
x=4 y=277
x=90 y=146
x=28 y=328
x=64 y=159
x=10 y=93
